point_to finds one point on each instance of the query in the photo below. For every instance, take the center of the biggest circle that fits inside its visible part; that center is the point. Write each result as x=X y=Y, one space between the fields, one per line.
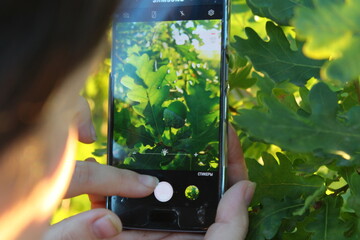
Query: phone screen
x=168 y=109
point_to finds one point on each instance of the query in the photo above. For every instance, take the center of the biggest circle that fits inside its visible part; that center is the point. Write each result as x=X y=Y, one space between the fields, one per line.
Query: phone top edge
x=167 y=3
x=190 y=10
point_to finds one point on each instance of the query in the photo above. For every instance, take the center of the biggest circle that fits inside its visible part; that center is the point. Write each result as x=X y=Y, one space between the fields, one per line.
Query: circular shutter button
x=163 y=192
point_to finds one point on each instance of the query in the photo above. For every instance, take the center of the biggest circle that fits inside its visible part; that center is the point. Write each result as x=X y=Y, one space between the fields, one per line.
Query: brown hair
x=41 y=42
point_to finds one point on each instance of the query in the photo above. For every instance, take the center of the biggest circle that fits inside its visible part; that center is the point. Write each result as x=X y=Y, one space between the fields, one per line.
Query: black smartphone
x=168 y=110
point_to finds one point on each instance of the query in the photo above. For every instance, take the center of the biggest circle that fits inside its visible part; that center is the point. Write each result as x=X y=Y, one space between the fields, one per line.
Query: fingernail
x=149 y=181
x=106 y=227
x=249 y=193
x=93 y=132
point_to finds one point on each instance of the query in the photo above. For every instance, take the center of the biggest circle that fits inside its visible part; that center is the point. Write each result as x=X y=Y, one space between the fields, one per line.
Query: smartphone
x=168 y=110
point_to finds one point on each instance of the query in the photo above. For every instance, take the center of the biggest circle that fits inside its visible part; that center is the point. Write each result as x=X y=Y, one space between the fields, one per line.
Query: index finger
x=237 y=170
x=96 y=179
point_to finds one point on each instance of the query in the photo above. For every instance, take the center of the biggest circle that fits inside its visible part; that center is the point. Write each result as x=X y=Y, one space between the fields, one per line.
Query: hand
x=232 y=215
x=90 y=177
x=99 y=181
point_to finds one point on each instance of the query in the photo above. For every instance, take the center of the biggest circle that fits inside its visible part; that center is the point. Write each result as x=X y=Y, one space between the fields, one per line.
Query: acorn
x=175 y=115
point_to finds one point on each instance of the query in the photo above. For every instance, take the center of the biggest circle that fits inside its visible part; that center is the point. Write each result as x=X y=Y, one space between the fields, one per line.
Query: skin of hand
x=100 y=180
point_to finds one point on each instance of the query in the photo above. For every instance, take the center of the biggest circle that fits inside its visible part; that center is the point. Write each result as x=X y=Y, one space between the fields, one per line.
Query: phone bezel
x=222 y=184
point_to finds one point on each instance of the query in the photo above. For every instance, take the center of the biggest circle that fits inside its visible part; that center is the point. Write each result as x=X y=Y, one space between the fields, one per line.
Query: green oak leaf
x=99 y=152
x=299 y=231
x=202 y=107
x=149 y=95
x=240 y=75
x=349 y=96
x=327 y=224
x=276 y=180
x=353 y=225
x=285 y=94
x=241 y=17
x=345 y=68
x=253 y=149
x=198 y=142
x=150 y=159
x=265 y=84
x=128 y=132
x=265 y=224
x=331 y=29
x=304 y=94
x=280 y=11
x=307 y=163
x=354 y=199
x=321 y=130
x=276 y=58
x=310 y=200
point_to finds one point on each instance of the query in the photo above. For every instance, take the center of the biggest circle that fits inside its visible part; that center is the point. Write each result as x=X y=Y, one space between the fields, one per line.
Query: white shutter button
x=163 y=192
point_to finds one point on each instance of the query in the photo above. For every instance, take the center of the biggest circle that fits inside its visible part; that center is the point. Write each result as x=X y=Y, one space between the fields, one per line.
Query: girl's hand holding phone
x=99 y=181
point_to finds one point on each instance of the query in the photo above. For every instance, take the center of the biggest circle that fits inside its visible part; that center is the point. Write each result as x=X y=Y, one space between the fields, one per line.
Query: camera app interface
x=166 y=93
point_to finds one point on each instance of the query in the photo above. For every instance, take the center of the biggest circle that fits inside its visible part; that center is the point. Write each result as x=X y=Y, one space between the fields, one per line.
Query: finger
x=87 y=133
x=91 y=225
x=237 y=170
x=232 y=214
x=97 y=201
x=93 y=178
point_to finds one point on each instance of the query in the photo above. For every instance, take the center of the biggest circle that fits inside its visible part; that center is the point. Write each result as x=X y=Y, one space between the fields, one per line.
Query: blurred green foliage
x=96 y=93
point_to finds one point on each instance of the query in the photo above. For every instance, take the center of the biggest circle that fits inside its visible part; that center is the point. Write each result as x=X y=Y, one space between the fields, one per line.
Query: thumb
x=92 y=225
x=232 y=215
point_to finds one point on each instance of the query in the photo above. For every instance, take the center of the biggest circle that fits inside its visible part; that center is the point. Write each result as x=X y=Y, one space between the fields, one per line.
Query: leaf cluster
x=166 y=99
x=295 y=101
